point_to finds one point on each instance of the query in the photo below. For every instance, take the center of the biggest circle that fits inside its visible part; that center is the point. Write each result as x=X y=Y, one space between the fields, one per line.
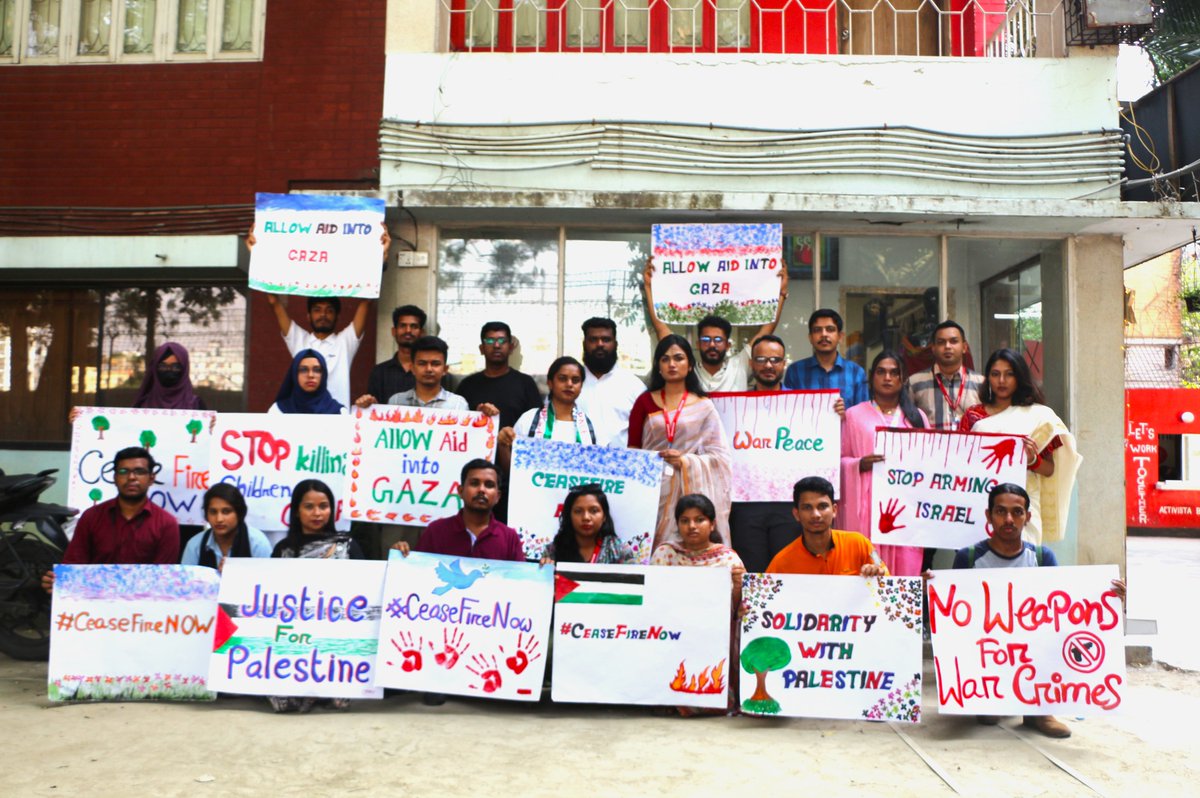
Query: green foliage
x=1173 y=42
x=764 y=706
x=1189 y=354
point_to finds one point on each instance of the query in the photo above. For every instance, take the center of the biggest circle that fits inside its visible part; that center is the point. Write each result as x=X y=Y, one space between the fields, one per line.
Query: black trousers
x=760 y=530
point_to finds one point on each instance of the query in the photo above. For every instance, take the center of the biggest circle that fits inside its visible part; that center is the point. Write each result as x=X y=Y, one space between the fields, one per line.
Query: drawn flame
x=710 y=681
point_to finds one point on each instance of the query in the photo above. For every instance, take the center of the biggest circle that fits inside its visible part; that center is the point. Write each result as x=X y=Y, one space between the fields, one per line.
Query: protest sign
x=264 y=455
x=177 y=439
x=405 y=462
x=297 y=627
x=778 y=438
x=641 y=634
x=831 y=647
x=932 y=487
x=317 y=245
x=465 y=626
x=1027 y=641
x=131 y=632
x=544 y=471
x=731 y=270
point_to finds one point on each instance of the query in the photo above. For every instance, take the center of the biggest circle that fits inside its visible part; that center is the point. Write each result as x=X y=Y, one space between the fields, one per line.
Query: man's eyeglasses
x=501 y=341
x=712 y=339
x=133 y=472
x=762 y=361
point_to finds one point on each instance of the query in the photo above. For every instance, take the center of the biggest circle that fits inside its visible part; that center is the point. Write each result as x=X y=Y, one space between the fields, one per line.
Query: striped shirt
x=927 y=395
x=846 y=377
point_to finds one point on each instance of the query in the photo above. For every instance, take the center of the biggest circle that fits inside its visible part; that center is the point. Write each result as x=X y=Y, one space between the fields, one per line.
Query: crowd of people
x=597 y=402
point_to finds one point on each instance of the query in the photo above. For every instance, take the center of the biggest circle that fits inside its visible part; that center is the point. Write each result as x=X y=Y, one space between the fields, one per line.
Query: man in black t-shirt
x=511 y=391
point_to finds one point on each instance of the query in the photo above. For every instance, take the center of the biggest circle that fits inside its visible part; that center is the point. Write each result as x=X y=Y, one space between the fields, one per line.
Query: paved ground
x=1162 y=572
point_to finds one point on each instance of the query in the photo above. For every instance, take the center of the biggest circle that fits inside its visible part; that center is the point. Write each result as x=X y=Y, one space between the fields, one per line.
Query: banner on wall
x=317 y=245
x=465 y=626
x=1027 y=641
x=932 y=487
x=297 y=627
x=405 y=462
x=131 y=632
x=831 y=647
x=265 y=455
x=622 y=635
x=543 y=472
x=731 y=270
x=778 y=438
x=178 y=440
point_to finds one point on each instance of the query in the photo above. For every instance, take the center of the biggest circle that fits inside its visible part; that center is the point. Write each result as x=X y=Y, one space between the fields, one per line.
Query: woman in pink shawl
x=167 y=384
x=676 y=419
x=890 y=406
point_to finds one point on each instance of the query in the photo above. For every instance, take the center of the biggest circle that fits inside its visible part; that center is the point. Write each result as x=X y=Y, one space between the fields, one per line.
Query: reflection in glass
x=139 y=26
x=530 y=23
x=687 y=26
x=7 y=9
x=237 y=26
x=95 y=26
x=191 y=35
x=733 y=23
x=631 y=23
x=42 y=39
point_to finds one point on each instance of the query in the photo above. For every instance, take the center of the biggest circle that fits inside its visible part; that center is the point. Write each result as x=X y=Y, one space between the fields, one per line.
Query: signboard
x=177 y=439
x=622 y=635
x=131 y=632
x=932 y=487
x=297 y=627
x=465 y=626
x=405 y=462
x=779 y=437
x=265 y=455
x=1027 y=641
x=831 y=647
x=317 y=245
x=731 y=270
x=543 y=472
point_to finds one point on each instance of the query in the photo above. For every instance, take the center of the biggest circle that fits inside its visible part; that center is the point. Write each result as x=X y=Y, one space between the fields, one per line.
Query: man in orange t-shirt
x=821 y=549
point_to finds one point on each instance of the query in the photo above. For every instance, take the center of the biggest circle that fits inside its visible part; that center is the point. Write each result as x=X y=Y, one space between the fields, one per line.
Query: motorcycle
x=32 y=541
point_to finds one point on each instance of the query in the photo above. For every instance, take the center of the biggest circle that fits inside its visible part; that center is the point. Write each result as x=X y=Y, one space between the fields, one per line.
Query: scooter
x=32 y=541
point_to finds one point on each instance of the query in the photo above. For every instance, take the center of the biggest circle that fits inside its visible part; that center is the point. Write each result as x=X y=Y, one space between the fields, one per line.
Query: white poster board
x=623 y=635
x=543 y=472
x=297 y=627
x=831 y=647
x=131 y=632
x=264 y=455
x=317 y=245
x=177 y=439
x=465 y=626
x=780 y=437
x=932 y=487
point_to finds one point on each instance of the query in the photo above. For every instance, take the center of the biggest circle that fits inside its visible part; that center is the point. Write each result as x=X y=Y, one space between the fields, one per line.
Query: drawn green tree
x=761 y=656
x=147 y=439
x=194 y=427
x=100 y=424
x=95 y=495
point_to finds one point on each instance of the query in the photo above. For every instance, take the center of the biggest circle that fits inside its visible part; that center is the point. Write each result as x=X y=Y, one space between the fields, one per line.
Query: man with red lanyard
x=948 y=388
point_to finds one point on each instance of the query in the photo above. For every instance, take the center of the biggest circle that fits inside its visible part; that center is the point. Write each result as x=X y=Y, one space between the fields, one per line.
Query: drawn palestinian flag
x=598 y=587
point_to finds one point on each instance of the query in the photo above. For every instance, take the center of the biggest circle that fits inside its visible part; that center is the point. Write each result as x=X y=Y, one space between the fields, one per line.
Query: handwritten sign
x=131 y=632
x=1027 y=641
x=624 y=636
x=543 y=472
x=932 y=487
x=779 y=437
x=265 y=455
x=731 y=270
x=405 y=462
x=177 y=439
x=317 y=245
x=465 y=626
x=297 y=627
x=831 y=647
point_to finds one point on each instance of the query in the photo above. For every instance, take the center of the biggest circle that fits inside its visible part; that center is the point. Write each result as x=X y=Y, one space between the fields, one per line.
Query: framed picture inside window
x=800 y=253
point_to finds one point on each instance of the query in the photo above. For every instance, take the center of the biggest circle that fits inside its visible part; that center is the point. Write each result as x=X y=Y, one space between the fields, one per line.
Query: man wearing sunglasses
x=719 y=370
x=128 y=529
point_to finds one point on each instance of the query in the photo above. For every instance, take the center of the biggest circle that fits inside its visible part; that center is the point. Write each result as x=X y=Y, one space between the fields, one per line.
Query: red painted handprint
x=1000 y=452
x=488 y=670
x=887 y=516
x=410 y=652
x=524 y=655
x=452 y=649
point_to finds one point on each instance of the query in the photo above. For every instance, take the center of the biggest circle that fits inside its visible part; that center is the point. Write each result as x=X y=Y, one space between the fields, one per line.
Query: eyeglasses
x=762 y=361
x=712 y=339
x=501 y=341
x=133 y=472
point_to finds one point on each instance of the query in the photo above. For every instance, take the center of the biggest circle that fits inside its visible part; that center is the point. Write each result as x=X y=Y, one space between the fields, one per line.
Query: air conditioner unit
x=1092 y=22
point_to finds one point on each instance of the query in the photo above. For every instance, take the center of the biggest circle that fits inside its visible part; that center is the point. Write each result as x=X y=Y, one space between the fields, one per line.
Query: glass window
x=509 y=276
x=7 y=28
x=530 y=23
x=43 y=30
x=687 y=23
x=95 y=27
x=631 y=23
x=584 y=21
x=140 y=18
x=481 y=23
x=191 y=33
x=733 y=23
x=603 y=278
x=237 y=25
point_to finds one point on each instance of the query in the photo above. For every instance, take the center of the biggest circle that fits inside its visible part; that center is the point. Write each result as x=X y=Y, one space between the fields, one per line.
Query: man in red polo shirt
x=126 y=530
x=821 y=549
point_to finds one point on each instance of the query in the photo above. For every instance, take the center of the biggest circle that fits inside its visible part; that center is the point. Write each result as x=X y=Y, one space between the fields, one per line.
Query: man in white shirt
x=719 y=370
x=338 y=348
x=609 y=390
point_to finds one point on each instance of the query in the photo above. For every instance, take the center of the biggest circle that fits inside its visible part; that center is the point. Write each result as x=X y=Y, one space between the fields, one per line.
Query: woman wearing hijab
x=306 y=389
x=167 y=383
